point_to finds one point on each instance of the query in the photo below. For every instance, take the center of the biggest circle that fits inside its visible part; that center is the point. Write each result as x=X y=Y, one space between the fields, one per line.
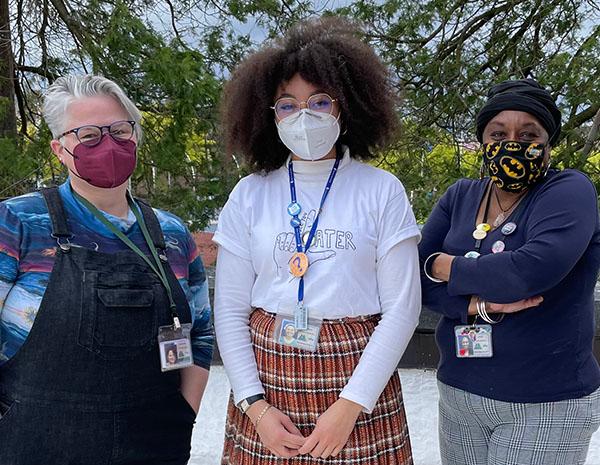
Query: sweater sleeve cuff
x=461 y=269
x=410 y=231
x=367 y=404
x=231 y=246
x=248 y=391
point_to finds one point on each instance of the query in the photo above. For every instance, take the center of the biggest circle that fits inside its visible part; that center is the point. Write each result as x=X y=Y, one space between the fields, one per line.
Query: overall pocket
x=119 y=317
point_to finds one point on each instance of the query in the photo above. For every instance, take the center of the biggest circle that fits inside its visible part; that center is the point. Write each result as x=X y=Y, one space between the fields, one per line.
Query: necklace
x=502 y=216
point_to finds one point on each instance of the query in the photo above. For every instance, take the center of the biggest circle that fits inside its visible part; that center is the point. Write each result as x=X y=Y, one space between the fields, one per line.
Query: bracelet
x=431 y=278
x=261 y=415
x=480 y=304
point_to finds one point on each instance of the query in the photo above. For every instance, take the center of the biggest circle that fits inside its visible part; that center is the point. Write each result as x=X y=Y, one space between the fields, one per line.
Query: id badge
x=287 y=334
x=175 y=347
x=473 y=341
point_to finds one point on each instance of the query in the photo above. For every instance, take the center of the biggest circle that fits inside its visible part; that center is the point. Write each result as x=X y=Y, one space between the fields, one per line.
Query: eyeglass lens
x=287 y=106
x=91 y=135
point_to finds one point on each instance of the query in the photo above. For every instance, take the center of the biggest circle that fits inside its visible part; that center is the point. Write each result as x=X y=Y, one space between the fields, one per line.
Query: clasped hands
x=278 y=433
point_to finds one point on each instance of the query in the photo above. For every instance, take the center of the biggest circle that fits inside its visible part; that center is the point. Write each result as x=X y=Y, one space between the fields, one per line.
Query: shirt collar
x=318 y=169
x=74 y=206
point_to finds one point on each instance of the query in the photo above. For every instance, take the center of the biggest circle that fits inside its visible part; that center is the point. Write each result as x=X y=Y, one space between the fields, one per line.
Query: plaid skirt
x=304 y=384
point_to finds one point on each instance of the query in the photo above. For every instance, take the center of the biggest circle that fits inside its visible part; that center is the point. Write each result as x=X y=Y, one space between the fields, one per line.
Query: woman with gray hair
x=91 y=294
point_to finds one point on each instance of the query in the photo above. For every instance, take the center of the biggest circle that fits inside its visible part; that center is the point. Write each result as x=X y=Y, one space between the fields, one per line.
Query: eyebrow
x=285 y=94
x=526 y=125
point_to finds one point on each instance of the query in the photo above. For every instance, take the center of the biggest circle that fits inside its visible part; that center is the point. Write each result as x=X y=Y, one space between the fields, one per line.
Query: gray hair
x=66 y=89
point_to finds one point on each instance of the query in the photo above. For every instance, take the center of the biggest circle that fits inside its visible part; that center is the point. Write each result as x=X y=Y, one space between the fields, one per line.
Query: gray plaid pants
x=475 y=430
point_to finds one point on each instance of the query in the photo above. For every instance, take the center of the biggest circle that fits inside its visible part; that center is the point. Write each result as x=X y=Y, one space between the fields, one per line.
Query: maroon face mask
x=108 y=164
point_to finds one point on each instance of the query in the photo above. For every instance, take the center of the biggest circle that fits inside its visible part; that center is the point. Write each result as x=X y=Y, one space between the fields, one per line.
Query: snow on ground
x=420 y=398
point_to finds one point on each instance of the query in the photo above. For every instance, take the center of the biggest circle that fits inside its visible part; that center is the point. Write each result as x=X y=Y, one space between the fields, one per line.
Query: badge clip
x=176 y=323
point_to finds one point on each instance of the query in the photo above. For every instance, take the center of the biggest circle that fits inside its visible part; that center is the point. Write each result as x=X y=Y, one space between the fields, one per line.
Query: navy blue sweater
x=541 y=354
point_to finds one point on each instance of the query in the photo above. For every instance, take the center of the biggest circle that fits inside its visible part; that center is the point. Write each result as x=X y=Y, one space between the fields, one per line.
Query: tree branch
x=591 y=138
x=174 y=26
x=39 y=70
x=580 y=118
x=61 y=7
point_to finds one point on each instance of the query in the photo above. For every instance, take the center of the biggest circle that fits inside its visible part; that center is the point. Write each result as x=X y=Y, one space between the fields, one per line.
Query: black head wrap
x=521 y=95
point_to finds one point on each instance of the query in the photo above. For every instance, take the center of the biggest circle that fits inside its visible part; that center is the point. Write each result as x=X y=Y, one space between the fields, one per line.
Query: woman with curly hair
x=317 y=291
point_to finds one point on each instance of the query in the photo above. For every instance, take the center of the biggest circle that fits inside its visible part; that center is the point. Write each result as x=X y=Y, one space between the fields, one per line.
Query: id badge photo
x=175 y=347
x=286 y=332
x=473 y=341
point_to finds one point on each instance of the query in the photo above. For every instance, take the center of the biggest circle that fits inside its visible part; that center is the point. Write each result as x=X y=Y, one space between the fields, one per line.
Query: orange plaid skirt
x=304 y=384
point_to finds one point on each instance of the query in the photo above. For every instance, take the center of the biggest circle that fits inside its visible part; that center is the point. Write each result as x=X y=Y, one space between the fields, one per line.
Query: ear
x=57 y=149
x=547 y=151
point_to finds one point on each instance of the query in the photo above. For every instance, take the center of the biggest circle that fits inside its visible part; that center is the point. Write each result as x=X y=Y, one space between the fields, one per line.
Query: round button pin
x=298 y=264
x=472 y=254
x=294 y=209
x=295 y=221
x=498 y=247
x=479 y=234
x=484 y=227
x=508 y=229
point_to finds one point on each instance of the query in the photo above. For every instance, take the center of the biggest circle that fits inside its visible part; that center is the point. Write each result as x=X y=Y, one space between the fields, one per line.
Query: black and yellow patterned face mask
x=514 y=166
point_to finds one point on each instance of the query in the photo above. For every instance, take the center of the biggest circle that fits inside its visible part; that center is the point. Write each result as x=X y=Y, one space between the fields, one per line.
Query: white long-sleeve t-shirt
x=363 y=261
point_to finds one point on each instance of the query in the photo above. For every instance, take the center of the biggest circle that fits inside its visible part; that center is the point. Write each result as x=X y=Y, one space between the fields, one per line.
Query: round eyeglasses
x=91 y=135
x=287 y=106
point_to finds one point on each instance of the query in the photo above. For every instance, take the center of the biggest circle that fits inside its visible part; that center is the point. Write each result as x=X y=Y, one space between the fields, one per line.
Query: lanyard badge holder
x=473 y=341
x=175 y=344
x=301 y=331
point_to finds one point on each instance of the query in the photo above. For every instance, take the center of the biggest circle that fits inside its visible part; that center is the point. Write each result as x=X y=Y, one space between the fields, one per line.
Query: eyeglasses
x=91 y=135
x=287 y=106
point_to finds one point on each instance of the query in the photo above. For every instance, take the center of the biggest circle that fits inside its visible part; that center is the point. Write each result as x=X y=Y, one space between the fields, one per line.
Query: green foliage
x=171 y=59
x=180 y=166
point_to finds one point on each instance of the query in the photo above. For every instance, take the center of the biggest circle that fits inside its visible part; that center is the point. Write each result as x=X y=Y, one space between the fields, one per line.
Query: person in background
x=513 y=259
x=89 y=280
x=316 y=237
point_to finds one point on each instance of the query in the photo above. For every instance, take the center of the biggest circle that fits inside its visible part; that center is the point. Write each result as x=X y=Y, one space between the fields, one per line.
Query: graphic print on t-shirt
x=323 y=246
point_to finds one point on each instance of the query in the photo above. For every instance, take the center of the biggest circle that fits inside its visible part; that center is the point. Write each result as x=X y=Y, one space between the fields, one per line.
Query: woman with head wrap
x=511 y=261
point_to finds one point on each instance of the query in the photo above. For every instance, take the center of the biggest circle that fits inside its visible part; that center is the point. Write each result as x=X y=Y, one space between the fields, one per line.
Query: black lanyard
x=485 y=216
x=157 y=267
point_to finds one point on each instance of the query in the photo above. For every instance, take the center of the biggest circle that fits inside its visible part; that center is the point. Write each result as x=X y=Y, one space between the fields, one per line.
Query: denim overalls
x=86 y=387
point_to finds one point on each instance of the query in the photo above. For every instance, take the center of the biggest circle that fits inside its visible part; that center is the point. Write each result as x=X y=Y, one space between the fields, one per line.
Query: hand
x=441 y=266
x=514 y=306
x=285 y=247
x=193 y=382
x=506 y=308
x=333 y=429
x=276 y=430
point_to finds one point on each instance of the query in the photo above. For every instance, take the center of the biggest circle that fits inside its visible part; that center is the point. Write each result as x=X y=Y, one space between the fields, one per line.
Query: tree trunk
x=591 y=139
x=8 y=117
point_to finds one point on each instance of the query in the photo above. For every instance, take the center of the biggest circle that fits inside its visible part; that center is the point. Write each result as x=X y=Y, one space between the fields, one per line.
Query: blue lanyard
x=294 y=210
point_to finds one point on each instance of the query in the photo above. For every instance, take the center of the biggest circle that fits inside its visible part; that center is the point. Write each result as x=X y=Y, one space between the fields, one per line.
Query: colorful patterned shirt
x=27 y=254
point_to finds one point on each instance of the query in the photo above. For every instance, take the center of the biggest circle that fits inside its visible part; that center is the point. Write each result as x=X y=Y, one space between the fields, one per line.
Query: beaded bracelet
x=261 y=415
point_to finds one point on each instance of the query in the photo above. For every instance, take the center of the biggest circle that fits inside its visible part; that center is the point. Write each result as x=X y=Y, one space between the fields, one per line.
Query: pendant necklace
x=502 y=216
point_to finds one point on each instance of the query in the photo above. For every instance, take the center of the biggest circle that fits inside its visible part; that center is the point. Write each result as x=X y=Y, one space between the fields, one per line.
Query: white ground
x=420 y=397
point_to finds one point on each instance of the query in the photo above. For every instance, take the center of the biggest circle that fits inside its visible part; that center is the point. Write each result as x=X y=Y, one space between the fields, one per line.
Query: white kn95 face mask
x=309 y=134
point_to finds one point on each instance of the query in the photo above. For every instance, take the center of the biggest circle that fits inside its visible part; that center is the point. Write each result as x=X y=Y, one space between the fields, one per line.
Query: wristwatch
x=245 y=404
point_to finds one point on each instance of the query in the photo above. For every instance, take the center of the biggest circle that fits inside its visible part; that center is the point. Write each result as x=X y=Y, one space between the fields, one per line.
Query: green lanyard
x=157 y=267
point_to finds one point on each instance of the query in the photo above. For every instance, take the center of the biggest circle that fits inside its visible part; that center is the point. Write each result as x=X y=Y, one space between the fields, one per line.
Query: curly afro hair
x=329 y=53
